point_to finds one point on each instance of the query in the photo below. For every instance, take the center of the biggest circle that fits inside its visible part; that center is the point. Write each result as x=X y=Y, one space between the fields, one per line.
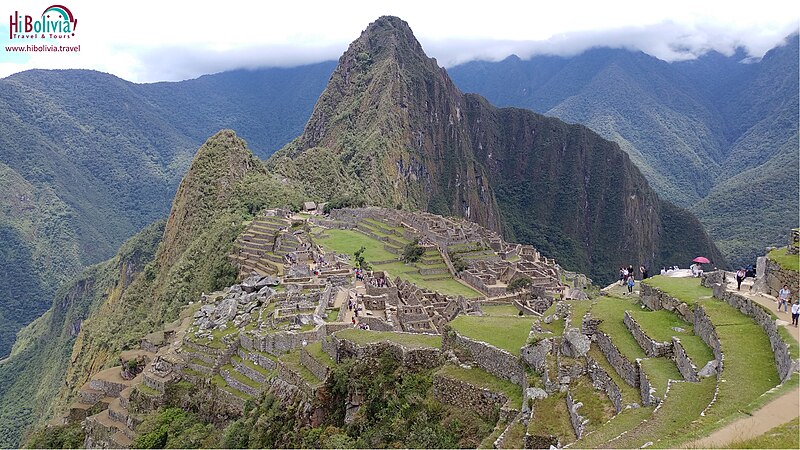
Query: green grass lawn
x=449 y=286
x=683 y=405
x=349 y=241
x=611 y=310
x=499 y=310
x=749 y=369
x=659 y=326
x=785 y=260
x=481 y=378
x=507 y=333
x=782 y=436
x=550 y=417
x=315 y=350
x=292 y=360
x=684 y=289
x=659 y=371
x=626 y=420
x=597 y=408
x=364 y=337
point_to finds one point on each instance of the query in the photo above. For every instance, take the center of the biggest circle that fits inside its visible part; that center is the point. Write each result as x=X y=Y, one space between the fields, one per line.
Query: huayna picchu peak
x=393 y=130
x=417 y=269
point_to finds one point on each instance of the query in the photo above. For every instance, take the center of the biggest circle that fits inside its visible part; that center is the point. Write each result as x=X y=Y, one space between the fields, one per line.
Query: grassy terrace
x=782 y=436
x=413 y=340
x=629 y=393
x=315 y=350
x=508 y=333
x=349 y=241
x=499 y=310
x=749 y=369
x=597 y=408
x=659 y=326
x=550 y=417
x=611 y=310
x=626 y=420
x=785 y=260
x=481 y=378
x=659 y=371
x=253 y=366
x=292 y=360
x=683 y=405
x=239 y=377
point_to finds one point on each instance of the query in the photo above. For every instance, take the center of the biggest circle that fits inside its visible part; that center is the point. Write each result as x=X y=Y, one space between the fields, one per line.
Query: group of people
x=627 y=276
x=377 y=281
x=785 y=300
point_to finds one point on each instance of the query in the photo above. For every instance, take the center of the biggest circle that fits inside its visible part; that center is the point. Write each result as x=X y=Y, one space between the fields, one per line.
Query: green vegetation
x=659 y=371
x=597 y=408
x=350 y=241
x=687 y=290
x=782 y=436
x=514 y=335
x=500 y=310
x=412 y=252
x=550 y=418
x=611 y=311
x=626 y=420
x=784 y=259
x=175 y=428
x=519 y=284
x=364 y=337
x=629 y=393
x=315 y=350
x=61 y=436
x=659 y=326
x=479 y=377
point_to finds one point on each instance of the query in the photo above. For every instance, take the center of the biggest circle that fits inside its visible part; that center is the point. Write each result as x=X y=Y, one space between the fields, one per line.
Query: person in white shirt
x=783 y=298
x=795 y=312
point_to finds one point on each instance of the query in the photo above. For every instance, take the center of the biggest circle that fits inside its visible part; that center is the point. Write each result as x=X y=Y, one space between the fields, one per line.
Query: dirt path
x=778 y=411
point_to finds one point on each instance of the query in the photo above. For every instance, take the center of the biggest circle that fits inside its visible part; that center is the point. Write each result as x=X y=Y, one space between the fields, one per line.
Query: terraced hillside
x=305 y=353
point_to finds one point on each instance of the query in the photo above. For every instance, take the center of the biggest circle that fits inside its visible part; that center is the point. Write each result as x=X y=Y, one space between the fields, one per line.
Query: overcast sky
x=168 y=40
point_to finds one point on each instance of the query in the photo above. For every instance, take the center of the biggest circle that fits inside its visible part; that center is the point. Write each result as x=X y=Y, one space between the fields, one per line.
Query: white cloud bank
x=151 y=40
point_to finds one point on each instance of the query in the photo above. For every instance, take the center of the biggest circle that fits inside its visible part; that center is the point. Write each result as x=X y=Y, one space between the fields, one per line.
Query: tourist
x=663 y=270
x=621 y=276
x=643 y=270
x=783 y=298
x=630 y=284
x=740 y=274
x=795 y=312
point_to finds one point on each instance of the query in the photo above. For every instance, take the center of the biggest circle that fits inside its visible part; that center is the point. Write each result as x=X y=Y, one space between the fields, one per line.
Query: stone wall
x=277 y=343
x=655 y=299
x=249 y=372
x=685 y=365
x=783 y=360
x=413 y=358
x=601 y=380
x=578 y=421
x=651 y=347
x=257 y=358
x=705 y=329
x=646 y=391
x=776 y=277
x=319 y=369
x=621 y=364
x=286 y=374
x=236 y=384
x=536 y=355
x=461 y=394
x=498 y=362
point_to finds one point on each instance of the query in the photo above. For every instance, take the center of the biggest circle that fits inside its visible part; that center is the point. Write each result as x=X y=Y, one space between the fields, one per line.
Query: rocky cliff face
x=396 y=123
x=393 y=130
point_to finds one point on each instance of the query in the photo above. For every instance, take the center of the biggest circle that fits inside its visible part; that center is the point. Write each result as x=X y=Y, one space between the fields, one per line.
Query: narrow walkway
x=779 y=411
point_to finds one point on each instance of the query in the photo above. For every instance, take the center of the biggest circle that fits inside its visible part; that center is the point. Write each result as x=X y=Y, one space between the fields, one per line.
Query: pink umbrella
x=701 y=260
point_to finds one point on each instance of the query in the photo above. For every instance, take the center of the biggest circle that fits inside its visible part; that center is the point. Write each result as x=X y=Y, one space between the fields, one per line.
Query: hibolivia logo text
x=56 y=22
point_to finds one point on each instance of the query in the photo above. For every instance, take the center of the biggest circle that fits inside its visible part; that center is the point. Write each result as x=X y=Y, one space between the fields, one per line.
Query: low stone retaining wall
x=249 y=372
x=651 y=347
x=780 y=349
x=291 y=377
x=655 y=299
x=645 y=389
x=236 y=384
x=601 y=379
x=277 y=343
x=621 y=364
x=319 y=369
x=705 y=329
x=578 y=421
x=685 y=365
x=257 y=358
x=497 y=362
x=461 y=394
x=413 y=358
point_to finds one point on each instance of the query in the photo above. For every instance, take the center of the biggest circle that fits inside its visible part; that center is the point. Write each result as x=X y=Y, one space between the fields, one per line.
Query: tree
x=361 y=263
x=518 y=284
x=412 y=252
